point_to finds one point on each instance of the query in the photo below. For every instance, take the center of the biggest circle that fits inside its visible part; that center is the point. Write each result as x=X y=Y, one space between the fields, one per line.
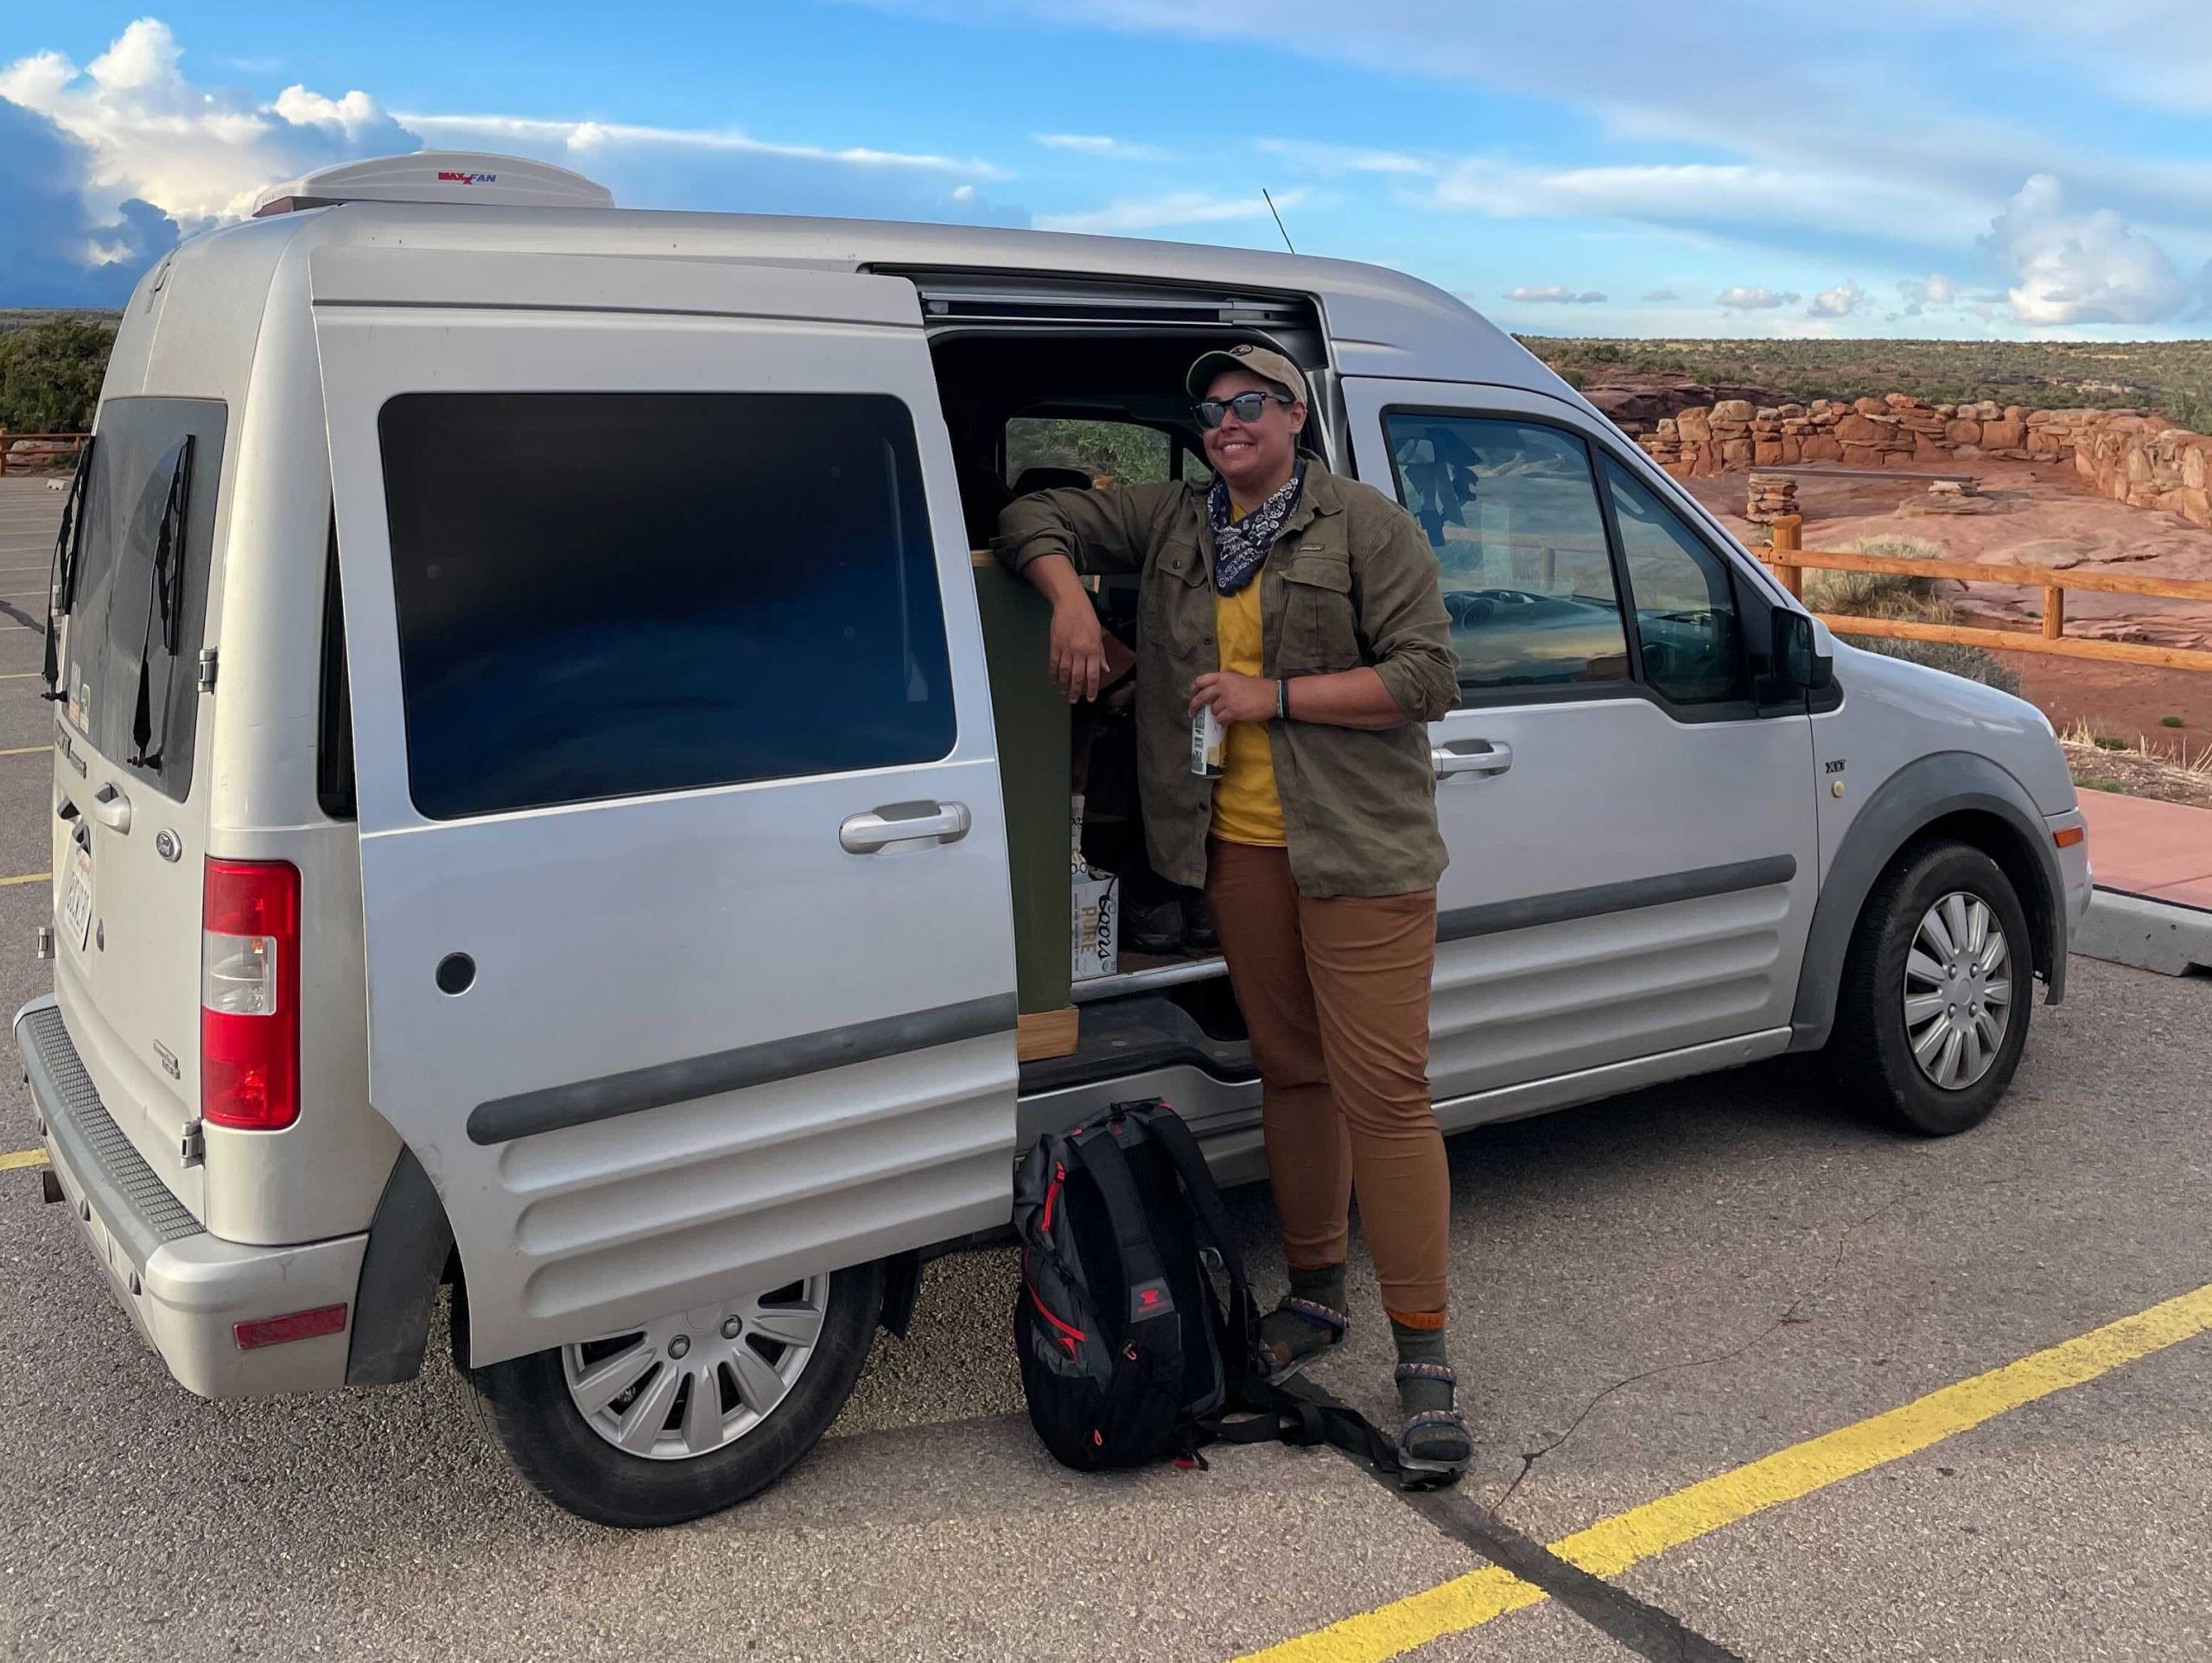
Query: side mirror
x=1798 y=663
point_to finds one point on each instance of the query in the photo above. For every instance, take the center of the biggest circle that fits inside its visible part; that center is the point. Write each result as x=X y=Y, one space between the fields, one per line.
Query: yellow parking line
x=23 y=1158
x=1612 y=1545
x=26 y=877
x=22 y=676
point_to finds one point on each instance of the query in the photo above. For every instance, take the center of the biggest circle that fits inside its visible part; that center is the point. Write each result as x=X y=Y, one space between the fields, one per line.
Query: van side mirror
x=1798 y=663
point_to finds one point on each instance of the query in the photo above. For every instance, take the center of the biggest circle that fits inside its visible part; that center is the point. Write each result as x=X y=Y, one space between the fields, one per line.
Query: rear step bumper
x=185 y=1289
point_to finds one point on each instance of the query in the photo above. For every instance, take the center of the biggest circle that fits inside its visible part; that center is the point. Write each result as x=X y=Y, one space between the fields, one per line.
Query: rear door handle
x=1474 y=758
x=112 y=809
x=904 y=823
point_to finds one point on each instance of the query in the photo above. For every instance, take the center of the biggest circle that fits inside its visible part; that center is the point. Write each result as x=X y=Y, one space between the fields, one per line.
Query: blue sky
x=1954 y=167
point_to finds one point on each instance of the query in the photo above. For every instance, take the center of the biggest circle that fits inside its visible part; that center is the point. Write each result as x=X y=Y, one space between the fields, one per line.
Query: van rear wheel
x=690 y=1414
x=1933 y=1011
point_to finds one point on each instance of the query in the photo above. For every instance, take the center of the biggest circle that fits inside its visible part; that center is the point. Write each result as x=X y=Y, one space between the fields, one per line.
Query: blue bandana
x=1240 y=546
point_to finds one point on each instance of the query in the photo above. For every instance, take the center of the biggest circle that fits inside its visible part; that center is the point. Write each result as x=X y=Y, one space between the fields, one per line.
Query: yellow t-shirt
x=1246 y=809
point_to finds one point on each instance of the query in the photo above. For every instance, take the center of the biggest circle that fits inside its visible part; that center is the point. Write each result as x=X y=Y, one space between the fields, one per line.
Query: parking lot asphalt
x=1648 y=1293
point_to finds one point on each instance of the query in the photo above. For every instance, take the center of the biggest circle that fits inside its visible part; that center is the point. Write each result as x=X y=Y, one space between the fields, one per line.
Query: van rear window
x=607 y=595
x=138 y=590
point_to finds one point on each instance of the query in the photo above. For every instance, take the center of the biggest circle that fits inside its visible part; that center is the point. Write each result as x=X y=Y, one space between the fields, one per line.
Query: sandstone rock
x=1947 y=411
x=2012 y=454
x=1820 y=447
x=1693 y=425
x=1966 y=450
x=1856 y=455
x=2015 y=413
x=1766 y=450
x=1901 y=401
x=1962 y=433
x=1666 y=428
x=1793 y=448
x=1863 y=430
x=2196 y=464
x=1732 y=412
x=1871 y=407
x=1735 y=452
x=1789 y=411
x=2001 y=435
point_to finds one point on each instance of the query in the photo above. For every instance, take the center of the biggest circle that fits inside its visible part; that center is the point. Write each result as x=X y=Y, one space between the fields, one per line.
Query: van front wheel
x=690 y=1414
x=1933 y=1011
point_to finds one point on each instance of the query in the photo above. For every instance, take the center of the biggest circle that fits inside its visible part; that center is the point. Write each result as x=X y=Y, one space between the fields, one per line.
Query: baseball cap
x=1270 y=366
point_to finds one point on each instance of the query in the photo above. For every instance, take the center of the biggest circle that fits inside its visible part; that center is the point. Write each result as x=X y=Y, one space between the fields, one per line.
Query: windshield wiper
x=62 y=570
x=165 y=599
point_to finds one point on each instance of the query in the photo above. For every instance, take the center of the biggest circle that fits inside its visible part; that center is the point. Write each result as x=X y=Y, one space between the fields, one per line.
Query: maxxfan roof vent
x=438 y=176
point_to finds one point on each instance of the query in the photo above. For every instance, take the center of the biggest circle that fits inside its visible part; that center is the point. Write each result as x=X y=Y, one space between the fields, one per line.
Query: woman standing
x=1302 y=608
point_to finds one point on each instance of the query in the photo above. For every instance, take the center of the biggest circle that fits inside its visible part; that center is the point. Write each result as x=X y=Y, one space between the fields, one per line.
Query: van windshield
x=115 y=619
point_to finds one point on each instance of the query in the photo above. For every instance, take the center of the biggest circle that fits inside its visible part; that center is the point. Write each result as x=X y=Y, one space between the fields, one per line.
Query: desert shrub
x=50 y=374
x=1882 y=594
x=1952 y=659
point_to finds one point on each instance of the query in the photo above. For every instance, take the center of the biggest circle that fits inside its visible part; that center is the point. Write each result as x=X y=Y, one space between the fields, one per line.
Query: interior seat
x=1050 y=479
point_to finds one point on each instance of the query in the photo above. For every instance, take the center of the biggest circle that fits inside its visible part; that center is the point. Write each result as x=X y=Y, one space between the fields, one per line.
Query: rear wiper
x=62 y=571
x=166 y=600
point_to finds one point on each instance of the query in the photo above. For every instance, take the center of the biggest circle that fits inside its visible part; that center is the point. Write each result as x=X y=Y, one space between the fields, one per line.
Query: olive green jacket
x=1351 y=580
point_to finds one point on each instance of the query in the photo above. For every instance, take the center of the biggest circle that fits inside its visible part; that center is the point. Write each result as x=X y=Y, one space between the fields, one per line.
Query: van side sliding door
x=1632 y=834
x=691 y=959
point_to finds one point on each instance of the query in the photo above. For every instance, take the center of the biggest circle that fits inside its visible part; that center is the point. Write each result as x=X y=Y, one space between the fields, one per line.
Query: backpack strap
x=1100 y=1152
x=1166 y=1127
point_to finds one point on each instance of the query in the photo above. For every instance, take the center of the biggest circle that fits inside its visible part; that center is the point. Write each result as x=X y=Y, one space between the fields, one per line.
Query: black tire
x=1870 y=1047
x=527 y=1402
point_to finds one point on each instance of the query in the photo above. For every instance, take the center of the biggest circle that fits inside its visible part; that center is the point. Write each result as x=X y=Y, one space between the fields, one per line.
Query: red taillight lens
x=250 y=994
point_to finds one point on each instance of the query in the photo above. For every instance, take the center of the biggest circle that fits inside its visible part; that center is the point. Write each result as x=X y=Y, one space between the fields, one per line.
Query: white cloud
x=196 y=155
x=1347 y=158
x=1554 y=294
x=1743 y=298
x=2080 y=268
x=1840 y=301
x=1662 y=295
x=1099 y=144
x=1174 y=208
x=1934 y=289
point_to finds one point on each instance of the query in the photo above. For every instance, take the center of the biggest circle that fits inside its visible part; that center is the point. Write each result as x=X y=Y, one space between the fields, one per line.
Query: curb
x=2147 y=935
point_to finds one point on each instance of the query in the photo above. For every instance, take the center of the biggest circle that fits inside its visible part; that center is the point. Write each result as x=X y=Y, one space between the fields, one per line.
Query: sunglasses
x=1247 y=406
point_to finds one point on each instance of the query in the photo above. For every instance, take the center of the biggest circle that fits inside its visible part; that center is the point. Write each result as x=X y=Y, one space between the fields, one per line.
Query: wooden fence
x=1788 y=562
x=41 y=458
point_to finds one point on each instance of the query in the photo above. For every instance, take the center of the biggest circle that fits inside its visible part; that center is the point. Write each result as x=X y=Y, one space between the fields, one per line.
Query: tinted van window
x=609 y=594
x=138 y=593
x=1512 y=512
x=1685 y=607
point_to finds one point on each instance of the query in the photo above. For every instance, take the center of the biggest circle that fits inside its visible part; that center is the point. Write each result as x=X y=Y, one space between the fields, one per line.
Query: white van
x=547 y=799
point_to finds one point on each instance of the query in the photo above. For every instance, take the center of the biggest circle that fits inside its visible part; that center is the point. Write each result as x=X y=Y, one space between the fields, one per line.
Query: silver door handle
x=904 y=823
x=112 y=809
x=1480 y=758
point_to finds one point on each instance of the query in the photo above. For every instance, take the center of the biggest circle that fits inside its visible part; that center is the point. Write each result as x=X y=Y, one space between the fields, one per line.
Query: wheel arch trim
x=410 y=1242
x=1944 y=786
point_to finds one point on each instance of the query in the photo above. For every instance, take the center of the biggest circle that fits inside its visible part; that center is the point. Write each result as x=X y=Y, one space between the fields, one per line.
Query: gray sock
x=1290 y=1334
x=1420 y=1345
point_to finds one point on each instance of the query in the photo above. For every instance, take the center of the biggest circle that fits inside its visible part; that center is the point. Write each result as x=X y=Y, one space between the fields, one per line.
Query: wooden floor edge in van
x=1049 y=1033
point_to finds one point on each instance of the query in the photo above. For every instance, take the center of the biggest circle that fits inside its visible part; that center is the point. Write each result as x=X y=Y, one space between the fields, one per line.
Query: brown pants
x=1336 y=995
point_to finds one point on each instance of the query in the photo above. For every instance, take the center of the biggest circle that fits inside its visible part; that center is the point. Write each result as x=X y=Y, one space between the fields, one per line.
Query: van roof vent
x=438 y=176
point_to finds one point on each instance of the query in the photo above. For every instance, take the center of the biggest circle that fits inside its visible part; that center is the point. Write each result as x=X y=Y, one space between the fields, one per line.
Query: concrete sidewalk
x=2161 y=851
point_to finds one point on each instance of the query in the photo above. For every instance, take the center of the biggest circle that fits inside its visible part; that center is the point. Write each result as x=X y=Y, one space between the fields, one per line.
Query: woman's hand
x=1234 y=698
x=1078 y=649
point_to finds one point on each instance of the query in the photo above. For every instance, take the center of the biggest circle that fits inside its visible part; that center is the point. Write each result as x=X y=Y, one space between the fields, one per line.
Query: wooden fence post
x=2053 y=612
x=1786 y=528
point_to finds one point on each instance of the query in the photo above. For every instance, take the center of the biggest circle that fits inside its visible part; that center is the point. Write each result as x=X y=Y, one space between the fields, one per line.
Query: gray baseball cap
x=1268 y=365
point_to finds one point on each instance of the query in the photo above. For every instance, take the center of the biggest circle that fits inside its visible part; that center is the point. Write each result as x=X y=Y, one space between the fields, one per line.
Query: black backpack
x=1134 y=1324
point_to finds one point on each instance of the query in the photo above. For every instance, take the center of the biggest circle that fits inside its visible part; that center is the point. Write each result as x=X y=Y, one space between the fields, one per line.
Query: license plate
x=77 y=898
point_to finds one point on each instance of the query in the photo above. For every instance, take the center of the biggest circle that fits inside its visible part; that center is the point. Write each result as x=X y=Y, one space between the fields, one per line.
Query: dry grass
x=2142 y=769
x=1890 y=594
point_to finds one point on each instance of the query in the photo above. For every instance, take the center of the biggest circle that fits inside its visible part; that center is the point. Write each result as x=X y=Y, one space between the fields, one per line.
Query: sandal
x=1330 y=1329
x=1434 y=1440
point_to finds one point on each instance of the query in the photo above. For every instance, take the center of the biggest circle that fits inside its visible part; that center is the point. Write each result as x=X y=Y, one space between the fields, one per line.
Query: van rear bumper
x=185 y=1289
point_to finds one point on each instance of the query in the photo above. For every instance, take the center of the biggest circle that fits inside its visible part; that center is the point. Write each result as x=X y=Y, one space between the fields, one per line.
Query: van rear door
x=691 y=959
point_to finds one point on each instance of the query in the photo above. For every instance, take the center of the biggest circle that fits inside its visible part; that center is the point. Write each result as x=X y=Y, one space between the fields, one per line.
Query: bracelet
x=1282 y=700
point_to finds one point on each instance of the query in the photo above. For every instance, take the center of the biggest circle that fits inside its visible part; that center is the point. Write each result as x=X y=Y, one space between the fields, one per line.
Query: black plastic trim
x=1930 y=788
x=410 y=1241
x=530 y=1112
x=1563 y=906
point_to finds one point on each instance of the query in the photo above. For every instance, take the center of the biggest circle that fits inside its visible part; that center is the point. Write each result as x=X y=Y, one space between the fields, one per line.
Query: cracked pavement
x=1648 y=1291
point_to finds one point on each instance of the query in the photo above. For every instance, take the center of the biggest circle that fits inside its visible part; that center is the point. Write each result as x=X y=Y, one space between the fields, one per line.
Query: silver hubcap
x=1958 y=991
x=697 y=1382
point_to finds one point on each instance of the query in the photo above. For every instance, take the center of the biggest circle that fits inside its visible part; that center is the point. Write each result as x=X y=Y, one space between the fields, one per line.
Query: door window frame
x=1744 y=596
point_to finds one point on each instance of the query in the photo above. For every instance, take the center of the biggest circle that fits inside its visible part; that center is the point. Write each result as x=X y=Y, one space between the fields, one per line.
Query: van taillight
x=250 y=994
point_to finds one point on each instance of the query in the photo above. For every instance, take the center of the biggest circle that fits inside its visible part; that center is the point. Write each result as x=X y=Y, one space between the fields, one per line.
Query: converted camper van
x=549 y=802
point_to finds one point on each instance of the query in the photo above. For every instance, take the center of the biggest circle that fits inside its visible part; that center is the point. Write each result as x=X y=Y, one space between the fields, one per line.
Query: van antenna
x=1270 y=201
